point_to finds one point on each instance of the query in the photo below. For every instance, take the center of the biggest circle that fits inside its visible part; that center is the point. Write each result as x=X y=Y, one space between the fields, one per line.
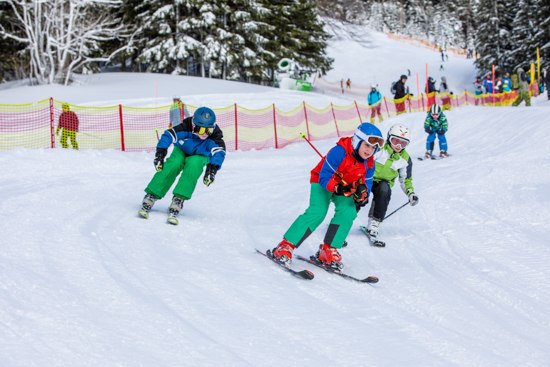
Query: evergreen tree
x=493 y=42
x=541 y=39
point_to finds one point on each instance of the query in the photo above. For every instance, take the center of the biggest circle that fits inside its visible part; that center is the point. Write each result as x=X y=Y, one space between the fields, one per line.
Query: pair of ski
x=433 y=158
x=308 y=275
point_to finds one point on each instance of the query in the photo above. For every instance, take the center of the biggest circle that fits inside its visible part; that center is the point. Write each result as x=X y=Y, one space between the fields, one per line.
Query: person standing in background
x=399 y=94
x=68 y=123
x=374 y=99
x=175 y=112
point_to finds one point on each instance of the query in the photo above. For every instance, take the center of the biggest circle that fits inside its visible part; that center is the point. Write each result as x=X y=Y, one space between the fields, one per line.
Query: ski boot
x=147 y=204
x=428 y=154
x=283 y=252
x=174 y=210
x=443 y=154
x=373 y=228
x=329 y=256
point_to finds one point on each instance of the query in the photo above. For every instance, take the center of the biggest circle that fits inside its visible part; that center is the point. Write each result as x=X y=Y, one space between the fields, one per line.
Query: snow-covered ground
x=463 y=279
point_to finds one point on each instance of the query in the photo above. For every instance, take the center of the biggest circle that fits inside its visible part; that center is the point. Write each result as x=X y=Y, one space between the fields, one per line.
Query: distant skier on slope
x=436 y=125
x=344 y=177
x=198 y=142
x=392 y=161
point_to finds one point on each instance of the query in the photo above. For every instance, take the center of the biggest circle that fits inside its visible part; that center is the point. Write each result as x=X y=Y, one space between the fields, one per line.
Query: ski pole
x=303 y=136
x=402 y=206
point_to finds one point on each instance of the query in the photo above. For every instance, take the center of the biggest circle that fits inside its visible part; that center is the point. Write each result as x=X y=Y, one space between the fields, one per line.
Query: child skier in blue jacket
x=192 y=151
x=436 y=125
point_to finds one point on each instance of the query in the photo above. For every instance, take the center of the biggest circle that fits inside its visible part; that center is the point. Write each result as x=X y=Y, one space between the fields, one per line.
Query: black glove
x=361 y=195
x=344 y=190
x=210 y=174
x=429 y=131
x=413 y=199
x=159 y=158
x=441 y=131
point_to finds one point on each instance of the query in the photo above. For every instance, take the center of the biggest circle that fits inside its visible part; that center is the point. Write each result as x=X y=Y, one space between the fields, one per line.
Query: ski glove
x=441 y=131
x=428 y=130
x=361 y=195
x=210 y=174
x=413 y=199
x=159 y=158
x=344 y=190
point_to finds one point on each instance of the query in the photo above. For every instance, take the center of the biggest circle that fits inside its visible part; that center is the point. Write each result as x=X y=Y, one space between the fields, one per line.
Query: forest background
x=46 y=42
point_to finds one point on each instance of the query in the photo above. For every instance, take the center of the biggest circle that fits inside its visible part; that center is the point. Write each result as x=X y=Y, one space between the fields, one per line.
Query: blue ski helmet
x=369 y=133
x=204 y=117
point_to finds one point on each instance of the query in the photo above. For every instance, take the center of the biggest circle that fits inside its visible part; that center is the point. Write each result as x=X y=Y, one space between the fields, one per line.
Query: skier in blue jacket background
x=374 y=99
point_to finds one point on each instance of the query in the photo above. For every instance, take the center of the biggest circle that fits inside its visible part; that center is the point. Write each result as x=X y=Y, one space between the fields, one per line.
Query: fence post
x=358 y=113
x=334 y=117
x=122 y=145
x=275 y=127
x=409 y=100
x=307 y=122
x=52 y=134
x=423 y=108
x=387 y=109
x=236 y=129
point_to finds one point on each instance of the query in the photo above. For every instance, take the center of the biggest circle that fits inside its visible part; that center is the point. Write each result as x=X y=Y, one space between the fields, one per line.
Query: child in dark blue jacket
x=192 y=151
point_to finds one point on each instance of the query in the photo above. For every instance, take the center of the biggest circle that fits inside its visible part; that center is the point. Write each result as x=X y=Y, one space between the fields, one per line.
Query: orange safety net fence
x=35 y=125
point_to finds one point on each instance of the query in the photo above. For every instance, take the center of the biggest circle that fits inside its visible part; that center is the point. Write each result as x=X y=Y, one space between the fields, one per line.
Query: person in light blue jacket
x=374 y=99
x=193 y=150
x=175 y=112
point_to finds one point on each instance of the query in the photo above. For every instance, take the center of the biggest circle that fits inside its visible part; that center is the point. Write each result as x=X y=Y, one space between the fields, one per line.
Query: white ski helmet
x=435 y=110
x=401 y=132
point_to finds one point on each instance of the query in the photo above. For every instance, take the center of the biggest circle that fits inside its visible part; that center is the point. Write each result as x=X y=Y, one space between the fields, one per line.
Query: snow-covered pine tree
x=297 y=34
x=523 y=32
x=243 y=35
x=311 y=38
x=493 y=42
x=542 y=36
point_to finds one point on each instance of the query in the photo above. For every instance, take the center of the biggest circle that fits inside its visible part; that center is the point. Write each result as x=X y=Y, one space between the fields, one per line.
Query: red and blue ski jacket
x=343 y=166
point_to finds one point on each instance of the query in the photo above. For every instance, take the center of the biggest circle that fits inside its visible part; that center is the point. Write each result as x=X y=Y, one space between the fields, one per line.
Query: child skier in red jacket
x=343 y=177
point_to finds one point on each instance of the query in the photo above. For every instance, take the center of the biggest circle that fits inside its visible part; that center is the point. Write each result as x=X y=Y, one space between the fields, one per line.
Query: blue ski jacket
x=191 y=144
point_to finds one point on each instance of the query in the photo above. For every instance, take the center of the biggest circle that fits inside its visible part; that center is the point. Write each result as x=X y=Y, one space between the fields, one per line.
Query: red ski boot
x=330 y=256
x=283 y=251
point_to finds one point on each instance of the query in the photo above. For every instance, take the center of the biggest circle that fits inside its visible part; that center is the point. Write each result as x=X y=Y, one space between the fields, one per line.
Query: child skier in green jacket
x=392 y=162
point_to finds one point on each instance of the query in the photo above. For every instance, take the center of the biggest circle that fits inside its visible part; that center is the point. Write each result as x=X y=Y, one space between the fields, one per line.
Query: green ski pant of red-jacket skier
x=319 y=202
x=190 y=167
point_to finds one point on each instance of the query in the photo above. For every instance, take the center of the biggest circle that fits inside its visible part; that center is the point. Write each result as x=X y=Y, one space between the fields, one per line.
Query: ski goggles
x=375 y=141
x=398 y=142
x=203 y=130
x=435 y=115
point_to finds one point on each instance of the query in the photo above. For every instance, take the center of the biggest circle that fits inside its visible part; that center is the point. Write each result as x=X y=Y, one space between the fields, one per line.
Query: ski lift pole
x=402 y=206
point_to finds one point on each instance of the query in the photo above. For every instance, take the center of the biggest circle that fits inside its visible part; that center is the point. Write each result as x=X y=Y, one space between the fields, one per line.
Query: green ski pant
x=319 y=202
x=522 y=96
x=190 y=167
